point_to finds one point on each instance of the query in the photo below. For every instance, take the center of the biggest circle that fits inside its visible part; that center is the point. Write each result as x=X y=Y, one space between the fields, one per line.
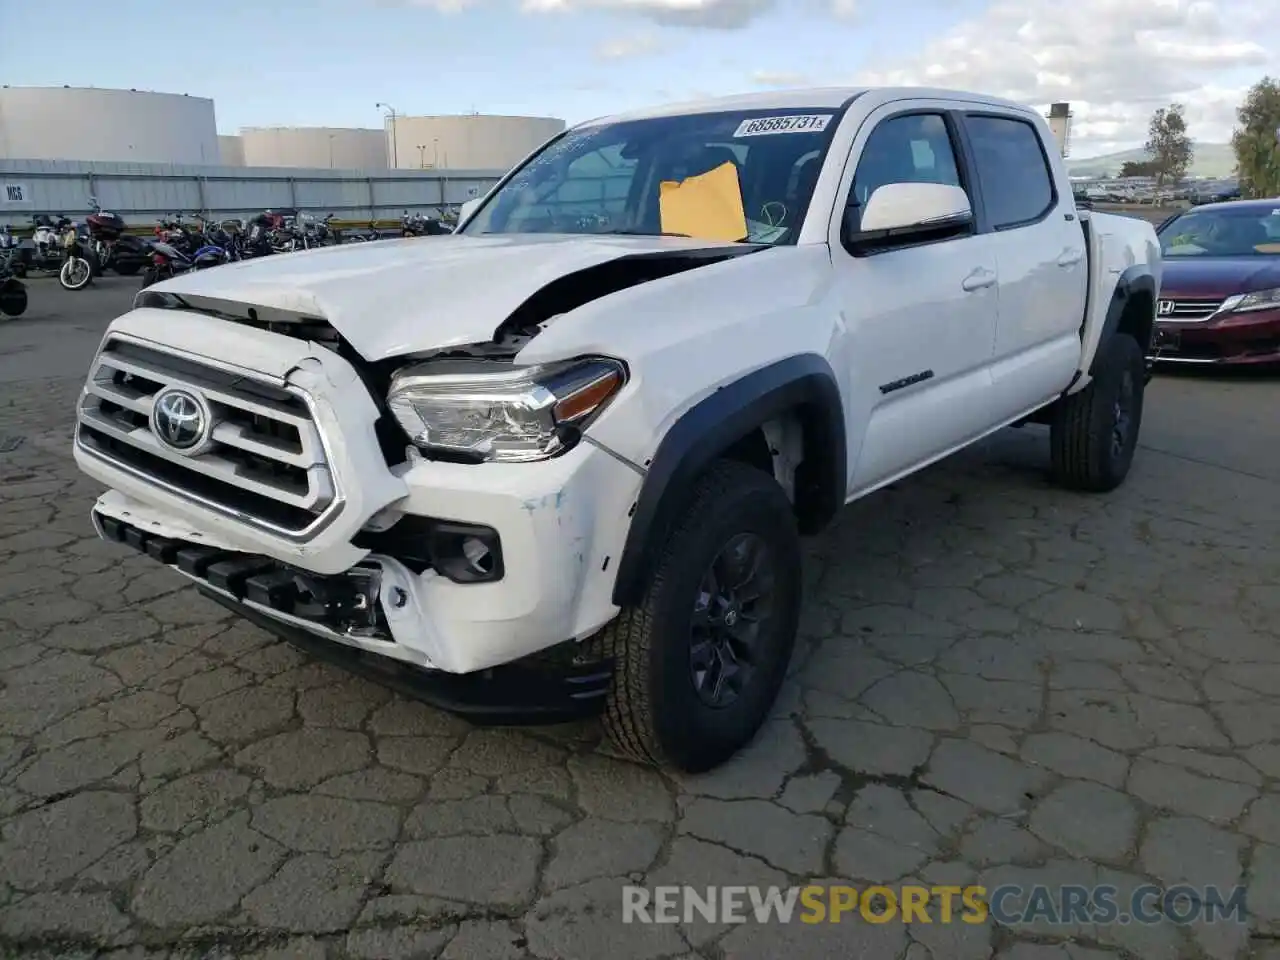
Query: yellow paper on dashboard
x=708 y=206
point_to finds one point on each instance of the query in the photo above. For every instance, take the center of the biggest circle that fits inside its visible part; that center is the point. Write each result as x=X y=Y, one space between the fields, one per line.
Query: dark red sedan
x=1220 y=296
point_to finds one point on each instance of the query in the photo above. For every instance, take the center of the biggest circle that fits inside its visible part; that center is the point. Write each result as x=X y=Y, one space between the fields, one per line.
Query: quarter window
x=1017 y=184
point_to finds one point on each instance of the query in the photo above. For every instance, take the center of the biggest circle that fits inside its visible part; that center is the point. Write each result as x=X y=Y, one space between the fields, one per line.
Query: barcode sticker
x=765 y=126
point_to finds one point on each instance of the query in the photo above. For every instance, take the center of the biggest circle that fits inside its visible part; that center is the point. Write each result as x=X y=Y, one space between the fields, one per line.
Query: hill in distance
x=1216 y=160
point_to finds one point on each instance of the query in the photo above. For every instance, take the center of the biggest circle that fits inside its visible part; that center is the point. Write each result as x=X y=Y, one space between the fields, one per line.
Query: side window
x=914 y=148
x=1017 y=185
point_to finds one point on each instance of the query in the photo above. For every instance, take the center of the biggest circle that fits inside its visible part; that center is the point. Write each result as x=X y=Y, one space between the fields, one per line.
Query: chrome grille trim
x=1188 y=310
x=267 y=449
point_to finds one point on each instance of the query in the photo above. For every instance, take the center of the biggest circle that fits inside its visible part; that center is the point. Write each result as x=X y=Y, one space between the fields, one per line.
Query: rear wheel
x=1093 y=433
x=700 y=660
x=127 y=268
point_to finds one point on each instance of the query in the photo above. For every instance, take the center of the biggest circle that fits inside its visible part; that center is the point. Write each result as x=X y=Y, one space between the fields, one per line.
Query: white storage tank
x=467 y=142
x=231 y=150
x=86 y=123
x=342 y=148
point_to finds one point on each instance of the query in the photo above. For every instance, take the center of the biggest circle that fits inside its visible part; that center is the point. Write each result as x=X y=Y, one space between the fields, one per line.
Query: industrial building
x=346 y=148
x=468 y=142
x=73 y=123
x=86 y=123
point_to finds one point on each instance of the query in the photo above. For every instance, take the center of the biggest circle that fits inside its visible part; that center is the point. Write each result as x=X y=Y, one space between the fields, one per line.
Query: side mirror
x=905 y=212
x=468 y=208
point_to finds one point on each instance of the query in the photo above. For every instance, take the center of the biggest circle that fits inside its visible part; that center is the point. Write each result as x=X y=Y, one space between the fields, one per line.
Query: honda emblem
x=1164 y=308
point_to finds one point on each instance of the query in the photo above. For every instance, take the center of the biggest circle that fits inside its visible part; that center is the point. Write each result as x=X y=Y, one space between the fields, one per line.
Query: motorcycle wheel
x=76 y=273
x=13 y=298
x=127 y=268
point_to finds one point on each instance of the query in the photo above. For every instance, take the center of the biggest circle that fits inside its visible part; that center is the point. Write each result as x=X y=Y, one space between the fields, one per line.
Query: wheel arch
x=1132 y=310
x=728 y=421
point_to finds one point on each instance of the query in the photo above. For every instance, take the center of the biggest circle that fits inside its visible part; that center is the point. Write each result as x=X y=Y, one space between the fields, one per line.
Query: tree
x=1257 y=140
x=1138 y=168
x=1168 y=145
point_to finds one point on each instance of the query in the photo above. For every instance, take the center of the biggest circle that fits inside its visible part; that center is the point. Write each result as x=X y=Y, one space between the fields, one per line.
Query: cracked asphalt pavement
x=997 y=682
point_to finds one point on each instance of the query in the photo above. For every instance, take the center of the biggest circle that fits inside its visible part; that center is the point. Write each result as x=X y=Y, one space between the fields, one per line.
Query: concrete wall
x=474 y=142
x=59 y=123
x=341 y=148
x=141 y=193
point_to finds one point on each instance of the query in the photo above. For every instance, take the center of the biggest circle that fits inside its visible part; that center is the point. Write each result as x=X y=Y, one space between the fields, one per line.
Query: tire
x=127 y=268
x=149 y=276
x=76 y=273
x=655 y=714
x=13 y=298
x=1093 y=434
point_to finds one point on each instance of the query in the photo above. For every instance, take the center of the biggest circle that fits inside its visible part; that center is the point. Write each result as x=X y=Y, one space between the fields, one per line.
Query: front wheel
x=700 y=660
x=76 y=273
x=1094 y=433
x=150 y=275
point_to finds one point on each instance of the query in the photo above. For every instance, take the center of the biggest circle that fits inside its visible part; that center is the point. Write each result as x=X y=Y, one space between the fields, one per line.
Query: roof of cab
x=817 y=98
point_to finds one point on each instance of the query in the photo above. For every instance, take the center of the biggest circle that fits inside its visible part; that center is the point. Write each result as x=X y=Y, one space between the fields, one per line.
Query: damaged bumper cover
x=379 y=580
x=322 y=615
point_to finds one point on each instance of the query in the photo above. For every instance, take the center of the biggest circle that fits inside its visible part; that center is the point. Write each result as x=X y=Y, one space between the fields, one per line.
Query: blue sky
x=327 y=62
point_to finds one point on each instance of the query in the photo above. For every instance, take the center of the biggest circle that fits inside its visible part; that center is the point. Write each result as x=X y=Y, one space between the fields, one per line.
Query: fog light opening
x=478 y=556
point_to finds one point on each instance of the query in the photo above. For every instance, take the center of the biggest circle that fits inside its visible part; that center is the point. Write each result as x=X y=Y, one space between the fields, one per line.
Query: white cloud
x=721 y=14
x=623 y=47
x=1115 y=61
x=778 y=78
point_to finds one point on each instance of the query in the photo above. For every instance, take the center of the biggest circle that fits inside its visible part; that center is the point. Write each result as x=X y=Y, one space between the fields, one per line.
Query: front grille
x=1187 y=310
x=264 y=461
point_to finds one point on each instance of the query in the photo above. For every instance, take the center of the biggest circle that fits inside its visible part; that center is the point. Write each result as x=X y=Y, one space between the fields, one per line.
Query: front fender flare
x=804 y=383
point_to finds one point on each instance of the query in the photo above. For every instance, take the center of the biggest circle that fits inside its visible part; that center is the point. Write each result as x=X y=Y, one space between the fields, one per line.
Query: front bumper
x=310 y=613
x=1245 y=339
x=561 y=523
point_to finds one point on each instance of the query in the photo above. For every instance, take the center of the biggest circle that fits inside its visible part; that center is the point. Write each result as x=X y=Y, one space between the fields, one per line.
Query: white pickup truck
x=559 y=461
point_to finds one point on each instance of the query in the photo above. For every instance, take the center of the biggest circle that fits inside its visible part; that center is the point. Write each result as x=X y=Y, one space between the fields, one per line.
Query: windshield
x=743 y=175
x=1242 y=232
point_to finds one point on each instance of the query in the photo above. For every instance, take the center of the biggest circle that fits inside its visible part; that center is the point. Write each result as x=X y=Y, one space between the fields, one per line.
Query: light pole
x=391 y=112
x=422 y=162
x=331 y=151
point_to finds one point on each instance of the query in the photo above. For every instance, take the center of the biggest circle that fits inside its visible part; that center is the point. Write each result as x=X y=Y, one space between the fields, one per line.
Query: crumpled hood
x=393 y=297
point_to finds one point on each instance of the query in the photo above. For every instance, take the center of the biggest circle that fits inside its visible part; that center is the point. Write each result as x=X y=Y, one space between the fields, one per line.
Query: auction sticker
x=764 y=126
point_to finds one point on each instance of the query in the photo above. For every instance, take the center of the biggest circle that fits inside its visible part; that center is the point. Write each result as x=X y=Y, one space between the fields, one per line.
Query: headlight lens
x=1259 y=300
x=469 y=411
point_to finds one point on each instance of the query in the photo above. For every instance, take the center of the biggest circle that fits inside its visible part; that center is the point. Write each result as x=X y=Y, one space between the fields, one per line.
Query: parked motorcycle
x=80 y=261
x=43 y=249
x=13 y=292
x=168 y=261
x=115 y=247
x=420 y=225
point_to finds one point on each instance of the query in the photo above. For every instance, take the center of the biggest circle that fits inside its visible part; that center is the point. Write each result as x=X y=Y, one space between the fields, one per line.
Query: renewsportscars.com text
x=1008 y=905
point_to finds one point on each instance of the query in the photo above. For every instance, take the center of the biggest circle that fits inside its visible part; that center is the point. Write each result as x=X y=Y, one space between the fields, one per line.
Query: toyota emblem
x=180 y=420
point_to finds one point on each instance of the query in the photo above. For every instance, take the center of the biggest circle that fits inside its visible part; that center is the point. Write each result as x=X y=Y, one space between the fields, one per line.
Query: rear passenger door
x=1040 y=248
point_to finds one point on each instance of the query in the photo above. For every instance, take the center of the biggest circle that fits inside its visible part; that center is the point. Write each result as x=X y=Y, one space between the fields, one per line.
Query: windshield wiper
x=632 y=232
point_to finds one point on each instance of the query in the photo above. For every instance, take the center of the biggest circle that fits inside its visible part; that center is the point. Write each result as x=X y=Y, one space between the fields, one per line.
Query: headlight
x=1260 y=300
x=468 y=411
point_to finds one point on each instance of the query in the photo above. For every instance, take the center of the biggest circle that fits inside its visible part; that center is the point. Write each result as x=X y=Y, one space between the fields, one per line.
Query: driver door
x=921 y=316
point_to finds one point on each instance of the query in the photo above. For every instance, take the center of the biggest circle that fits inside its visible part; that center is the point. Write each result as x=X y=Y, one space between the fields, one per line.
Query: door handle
x=979 y=279
x=1069 y=257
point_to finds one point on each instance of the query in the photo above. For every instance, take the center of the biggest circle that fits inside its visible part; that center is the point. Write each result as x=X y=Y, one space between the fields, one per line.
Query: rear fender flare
x=1136 y=280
